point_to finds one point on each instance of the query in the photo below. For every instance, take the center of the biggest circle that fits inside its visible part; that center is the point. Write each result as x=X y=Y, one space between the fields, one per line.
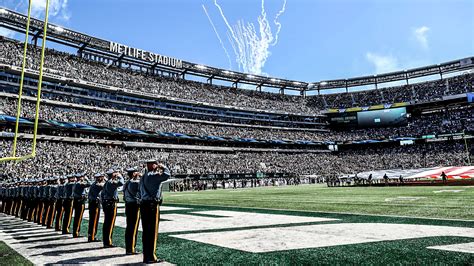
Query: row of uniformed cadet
x=54 y=200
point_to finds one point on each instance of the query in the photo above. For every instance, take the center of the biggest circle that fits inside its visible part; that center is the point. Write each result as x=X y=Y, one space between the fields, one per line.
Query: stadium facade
x=113 y=99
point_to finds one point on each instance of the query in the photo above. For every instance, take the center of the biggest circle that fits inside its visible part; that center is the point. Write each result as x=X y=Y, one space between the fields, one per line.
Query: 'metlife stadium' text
x=145 y=55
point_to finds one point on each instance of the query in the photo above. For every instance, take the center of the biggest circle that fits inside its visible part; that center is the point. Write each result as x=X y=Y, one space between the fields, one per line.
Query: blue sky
x=318 y=39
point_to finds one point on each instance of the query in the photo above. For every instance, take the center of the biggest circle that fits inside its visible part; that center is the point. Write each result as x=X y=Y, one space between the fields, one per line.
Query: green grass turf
x=357 y=200
x=320 y=201
x=10 y=257
x=412 y=251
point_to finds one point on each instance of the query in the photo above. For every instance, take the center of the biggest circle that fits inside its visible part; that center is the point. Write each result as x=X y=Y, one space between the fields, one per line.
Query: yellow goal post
x=13 y=157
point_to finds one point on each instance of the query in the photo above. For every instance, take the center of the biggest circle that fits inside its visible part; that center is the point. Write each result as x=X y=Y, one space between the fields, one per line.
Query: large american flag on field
x=452 y=172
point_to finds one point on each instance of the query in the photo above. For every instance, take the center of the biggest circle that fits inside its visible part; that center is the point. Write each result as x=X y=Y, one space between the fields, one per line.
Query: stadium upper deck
x=99 y=77
x=113 y=53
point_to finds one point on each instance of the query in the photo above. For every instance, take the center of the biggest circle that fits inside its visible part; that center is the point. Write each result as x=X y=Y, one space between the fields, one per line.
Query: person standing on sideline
x=60 y=195
x=53 y=190
x=150 y=200
x=444 y=177
x=79 y=195
x=131 y=196
x=385 y=178
x=94 y=206
x=109 y=203
x=67 y=203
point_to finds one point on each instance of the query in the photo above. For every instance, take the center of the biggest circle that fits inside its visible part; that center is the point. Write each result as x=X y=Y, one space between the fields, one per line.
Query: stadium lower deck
x=193 y=232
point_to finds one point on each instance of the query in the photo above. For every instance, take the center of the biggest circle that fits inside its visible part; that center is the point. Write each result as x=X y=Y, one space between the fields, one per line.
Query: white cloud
x=382 y=63
x=421 y=36
x=57 y=8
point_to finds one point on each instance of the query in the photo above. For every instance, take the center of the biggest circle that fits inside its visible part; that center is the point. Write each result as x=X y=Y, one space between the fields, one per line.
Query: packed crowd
x=418 y=92
x=77 y=68
x=445 y=121
x=59 y=158
x=113 y=119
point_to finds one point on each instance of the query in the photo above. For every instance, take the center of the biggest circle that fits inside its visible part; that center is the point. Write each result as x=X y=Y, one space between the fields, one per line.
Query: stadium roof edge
x=122 y=53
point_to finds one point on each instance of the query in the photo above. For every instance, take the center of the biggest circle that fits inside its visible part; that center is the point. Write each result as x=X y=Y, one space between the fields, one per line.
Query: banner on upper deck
x=470 y=97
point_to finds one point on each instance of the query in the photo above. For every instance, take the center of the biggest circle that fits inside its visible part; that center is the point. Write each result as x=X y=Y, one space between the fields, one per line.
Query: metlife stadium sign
x=145 y=55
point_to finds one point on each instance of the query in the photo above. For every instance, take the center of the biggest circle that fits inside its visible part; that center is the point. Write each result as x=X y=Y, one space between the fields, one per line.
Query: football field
x=308 y=224
x=448 y=202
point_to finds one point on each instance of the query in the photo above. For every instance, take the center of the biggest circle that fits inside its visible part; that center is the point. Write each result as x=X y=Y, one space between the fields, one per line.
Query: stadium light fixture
x=201 y=67
x=296 y=83
x=323 y=83
x=250 y=76
x=3 y=11
x=275 y=80
x=58 y=29
x=228 y=72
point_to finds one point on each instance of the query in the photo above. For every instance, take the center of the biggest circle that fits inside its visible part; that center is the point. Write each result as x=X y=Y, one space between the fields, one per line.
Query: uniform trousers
x=59 y=214
x=67 y=205
x=46 y=205
x=150 y=214
x=110 y=213
x=79 y=207
x=94 y=214
x=39 y=211
x=132 y=212
x=18 y=206
x=31 y=209
x=24 y=209
x=51 y=213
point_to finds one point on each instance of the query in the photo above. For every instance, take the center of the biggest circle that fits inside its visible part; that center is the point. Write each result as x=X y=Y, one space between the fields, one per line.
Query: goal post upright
x=20 y=91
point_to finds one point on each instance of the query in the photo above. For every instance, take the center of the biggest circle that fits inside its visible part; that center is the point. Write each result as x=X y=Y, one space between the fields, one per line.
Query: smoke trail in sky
x=251 y=44
x=277 y=22
x=218 y=37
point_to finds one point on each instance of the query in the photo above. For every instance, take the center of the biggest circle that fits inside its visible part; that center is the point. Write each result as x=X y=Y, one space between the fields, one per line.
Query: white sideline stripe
x=463 y=247
x=322 y=235
x=332 y=212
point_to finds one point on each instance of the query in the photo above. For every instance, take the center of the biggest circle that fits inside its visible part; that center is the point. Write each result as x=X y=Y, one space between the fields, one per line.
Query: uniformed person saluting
x=31 y=200
x=79 y=195
x=40 y=201
x=67 y=202
x=150 y=199
x=60 y=196
x=53 y=190
x=94 y=206
x=25 y=193
x=110 y=199
x=45 y=199
x=131 y=196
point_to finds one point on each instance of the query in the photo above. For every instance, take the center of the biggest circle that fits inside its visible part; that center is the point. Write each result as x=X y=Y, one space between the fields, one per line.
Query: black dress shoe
x=154 y=261
x=109 y=246
x=95 y=240
x=132 y=253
